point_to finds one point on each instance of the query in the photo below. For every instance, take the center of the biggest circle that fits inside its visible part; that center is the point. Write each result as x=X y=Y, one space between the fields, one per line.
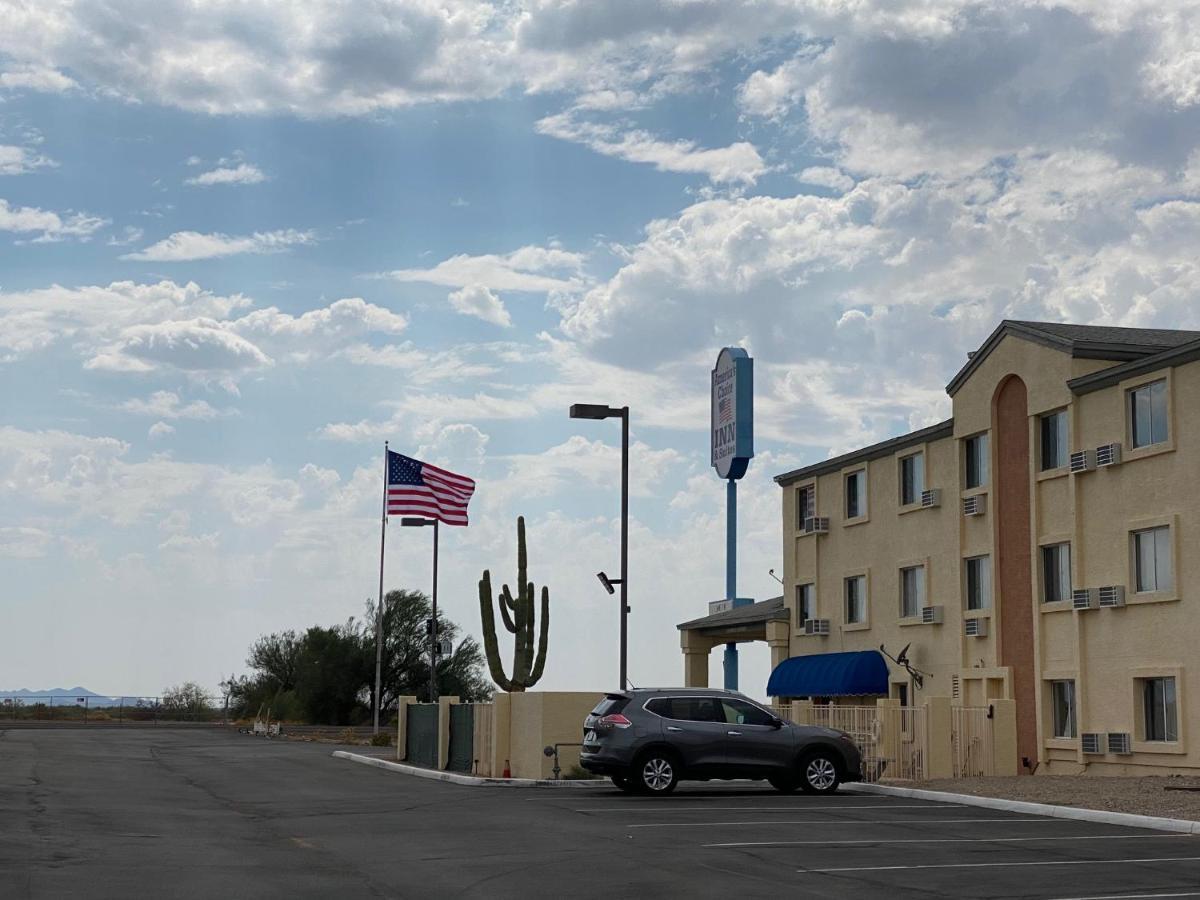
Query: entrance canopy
x=851 y=674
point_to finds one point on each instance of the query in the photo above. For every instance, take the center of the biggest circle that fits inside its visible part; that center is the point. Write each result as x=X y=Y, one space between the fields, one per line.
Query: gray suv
x=648 y=739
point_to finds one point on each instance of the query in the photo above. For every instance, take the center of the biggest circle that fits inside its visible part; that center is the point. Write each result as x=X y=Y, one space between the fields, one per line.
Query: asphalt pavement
x=210 y=814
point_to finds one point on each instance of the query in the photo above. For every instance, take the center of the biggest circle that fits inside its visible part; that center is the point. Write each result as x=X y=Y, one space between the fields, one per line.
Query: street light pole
x=624 y=546
x=596 y=411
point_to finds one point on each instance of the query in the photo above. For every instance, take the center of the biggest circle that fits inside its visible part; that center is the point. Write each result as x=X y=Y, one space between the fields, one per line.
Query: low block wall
x=541 y=718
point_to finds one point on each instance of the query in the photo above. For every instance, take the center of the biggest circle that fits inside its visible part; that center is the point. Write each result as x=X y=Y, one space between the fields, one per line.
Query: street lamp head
x=606 y=581
x=414 y=522
x=592 y=411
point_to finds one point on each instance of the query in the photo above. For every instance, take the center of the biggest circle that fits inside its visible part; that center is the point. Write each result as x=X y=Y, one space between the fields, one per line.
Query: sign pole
x=730 y=662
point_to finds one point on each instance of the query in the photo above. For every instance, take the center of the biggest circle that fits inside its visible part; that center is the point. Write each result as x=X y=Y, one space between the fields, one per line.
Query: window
x=804 y=505
x=1054 y=440
x=1062 y=694
x=976 y=450
x=912 y=479
x=1148 y=414
x=979 y=582
x=1056 y=573
x=610 y=705
x=739 y=712
x=1158 y=708
x=856 y=494
x=901 y=694
x=1152 y=560
x=805 y=605
x=686 y=709
x=856 y=600
x=912 y=591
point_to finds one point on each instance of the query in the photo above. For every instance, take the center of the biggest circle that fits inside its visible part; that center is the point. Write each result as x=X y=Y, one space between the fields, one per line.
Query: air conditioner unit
x=931 y=498
x=1108 y=455
x=1083 y=461
x=931 y=615
x=1119 y=742
x=1112 y=595
x=975 y=628
x=1085 y=598
x=1092 y=742
x=816 y=626
x=816 y=525
x=975 y=505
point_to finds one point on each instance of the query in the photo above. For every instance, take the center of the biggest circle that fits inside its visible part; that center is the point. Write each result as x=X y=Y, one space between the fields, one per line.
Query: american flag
x=417 y=488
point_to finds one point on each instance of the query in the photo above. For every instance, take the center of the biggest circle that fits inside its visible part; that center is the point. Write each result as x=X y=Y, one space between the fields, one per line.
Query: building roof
x=1175 y=356
x=875 y=451
x=1081 y=341
x=750 y=614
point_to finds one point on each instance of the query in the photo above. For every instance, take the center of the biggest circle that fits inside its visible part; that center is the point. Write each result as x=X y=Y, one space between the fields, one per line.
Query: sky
x=244 y=243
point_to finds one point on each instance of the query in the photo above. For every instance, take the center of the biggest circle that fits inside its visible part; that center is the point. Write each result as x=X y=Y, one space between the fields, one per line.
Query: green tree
x=332 y=674
x=405 y=667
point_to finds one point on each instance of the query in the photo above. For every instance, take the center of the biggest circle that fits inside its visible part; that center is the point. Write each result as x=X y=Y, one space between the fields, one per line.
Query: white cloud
x=242 y=173
x=21 y=161
x=50 y=226
x=184 y=246
x=476 y=300
x=22 y=542
x=530 y=268
x=827 y=177
x=168 y=405
x=737 y=163
x=36 y=78
x=160 y=430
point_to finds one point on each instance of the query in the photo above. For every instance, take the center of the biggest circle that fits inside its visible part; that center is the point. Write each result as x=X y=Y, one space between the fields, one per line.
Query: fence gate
x=462 y=737
x=421 y=738
x=971 y=735
x=891 y=739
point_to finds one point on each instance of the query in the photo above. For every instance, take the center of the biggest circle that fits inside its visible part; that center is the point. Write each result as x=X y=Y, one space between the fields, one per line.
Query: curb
x=470 y=780
x=1104 y=817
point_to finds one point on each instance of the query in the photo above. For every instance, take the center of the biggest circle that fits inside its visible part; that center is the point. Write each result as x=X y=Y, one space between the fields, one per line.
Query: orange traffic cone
x=507 y=770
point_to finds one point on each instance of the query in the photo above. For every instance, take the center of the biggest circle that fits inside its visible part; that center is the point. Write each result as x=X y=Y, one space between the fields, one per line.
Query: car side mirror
x=776 y=722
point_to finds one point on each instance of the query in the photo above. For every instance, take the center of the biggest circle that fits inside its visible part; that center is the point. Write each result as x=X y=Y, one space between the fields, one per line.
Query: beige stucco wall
x=540 y=718
x=1104 y=650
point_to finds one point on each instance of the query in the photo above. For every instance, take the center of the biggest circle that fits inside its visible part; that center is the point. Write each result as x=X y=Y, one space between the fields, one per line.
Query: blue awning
x=830 y=675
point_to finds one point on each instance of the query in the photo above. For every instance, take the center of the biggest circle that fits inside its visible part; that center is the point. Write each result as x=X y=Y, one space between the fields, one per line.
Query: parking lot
x=205 y=814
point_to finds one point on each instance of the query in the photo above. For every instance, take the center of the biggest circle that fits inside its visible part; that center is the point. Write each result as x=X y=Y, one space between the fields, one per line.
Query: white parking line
x=1000 y=865
x=654 y=807
x=1132 y=896
x=1080 y=837
x=855 y=822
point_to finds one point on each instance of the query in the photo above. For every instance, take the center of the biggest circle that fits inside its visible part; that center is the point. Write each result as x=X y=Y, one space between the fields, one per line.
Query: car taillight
x=616 y=720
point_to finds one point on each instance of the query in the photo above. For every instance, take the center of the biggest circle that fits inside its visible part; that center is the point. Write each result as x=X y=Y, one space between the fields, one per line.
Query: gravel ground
x=1147 y=796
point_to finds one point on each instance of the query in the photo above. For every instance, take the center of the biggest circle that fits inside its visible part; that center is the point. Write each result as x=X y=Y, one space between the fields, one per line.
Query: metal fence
x=972 y=737
x=111 y=710
x=893 y=740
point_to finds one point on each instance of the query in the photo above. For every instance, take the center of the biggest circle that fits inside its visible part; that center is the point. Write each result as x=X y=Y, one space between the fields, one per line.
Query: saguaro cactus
x=518 y=615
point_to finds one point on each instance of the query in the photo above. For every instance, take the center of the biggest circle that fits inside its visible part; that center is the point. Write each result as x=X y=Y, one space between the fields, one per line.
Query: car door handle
x=673 y=728
x=737 y=733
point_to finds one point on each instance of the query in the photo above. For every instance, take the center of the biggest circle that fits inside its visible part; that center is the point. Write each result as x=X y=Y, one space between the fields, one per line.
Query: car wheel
x=785 y=784
x=624 y=783
x=656 y=772
x=820 y=772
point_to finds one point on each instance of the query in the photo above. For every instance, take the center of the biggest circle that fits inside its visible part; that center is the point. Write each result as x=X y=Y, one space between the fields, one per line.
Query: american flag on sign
x=419 y=489
x=724 y=411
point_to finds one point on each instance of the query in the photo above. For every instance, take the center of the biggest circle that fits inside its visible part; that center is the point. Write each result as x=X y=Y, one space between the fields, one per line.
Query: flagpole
x=433 y=649
x=379 y=607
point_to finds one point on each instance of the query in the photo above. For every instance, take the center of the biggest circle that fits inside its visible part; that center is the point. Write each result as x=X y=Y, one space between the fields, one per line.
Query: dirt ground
x=1148 y=796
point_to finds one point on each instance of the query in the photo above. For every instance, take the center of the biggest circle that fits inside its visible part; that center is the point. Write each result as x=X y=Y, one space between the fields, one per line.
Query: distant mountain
x=60 y=695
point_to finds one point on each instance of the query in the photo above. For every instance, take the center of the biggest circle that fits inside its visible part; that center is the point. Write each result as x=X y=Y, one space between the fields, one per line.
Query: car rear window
x=609 y=705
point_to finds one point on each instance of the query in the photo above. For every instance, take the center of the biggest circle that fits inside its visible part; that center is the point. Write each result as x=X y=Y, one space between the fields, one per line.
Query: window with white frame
x=856 y=600
x=806 y=607
x=1056 y=573
x=1054 y=452
x=1152 y=560
x=1148 y=414
x=856 y=494
x=975 y=450
x=912 y=478
x=912 y=591
x=1160 y=718
x=805 y=504
x=979 y=582
x=1062 y=702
